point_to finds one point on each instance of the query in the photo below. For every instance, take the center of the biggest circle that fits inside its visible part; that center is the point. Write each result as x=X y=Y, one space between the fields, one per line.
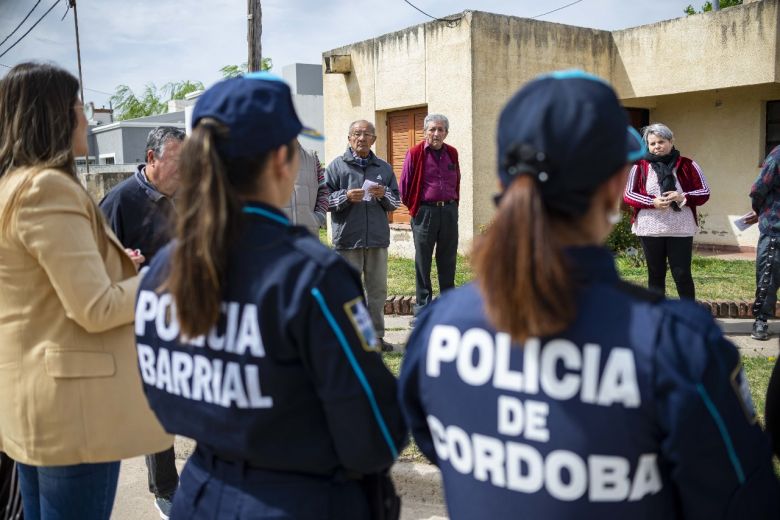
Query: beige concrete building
x=713 y=78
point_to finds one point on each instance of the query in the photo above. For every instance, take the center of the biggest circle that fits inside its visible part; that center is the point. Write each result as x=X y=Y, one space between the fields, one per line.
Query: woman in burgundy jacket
x=664 y=189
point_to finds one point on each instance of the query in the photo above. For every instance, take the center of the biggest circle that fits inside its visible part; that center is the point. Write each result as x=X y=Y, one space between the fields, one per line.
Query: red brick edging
x=733 y=308
x=404 y=305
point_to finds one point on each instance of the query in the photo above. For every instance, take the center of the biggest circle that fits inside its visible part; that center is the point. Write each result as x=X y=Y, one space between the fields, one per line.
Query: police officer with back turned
x=254 y=339
x=549 y=388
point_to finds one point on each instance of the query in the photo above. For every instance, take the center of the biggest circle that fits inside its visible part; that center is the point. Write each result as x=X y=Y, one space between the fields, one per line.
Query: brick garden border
x=733 y=308
x=404 y=306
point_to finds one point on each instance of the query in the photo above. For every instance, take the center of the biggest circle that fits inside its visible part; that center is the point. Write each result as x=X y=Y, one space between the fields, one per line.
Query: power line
x=85 y=88
x=558 y=9
x=448 y=20
x=30 y=29
x=20 y=23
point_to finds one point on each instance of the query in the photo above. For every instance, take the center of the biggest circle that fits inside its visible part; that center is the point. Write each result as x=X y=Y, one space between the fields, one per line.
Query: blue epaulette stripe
x=724 y=433
x=358 y=371
x=265 y=213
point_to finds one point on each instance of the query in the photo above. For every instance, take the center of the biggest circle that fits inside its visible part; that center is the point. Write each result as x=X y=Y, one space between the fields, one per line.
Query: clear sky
x=140 y=41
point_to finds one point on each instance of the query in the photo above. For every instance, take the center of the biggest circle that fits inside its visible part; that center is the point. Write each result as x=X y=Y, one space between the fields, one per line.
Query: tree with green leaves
x=232 y=71
x=152 y=101
x=708 y=6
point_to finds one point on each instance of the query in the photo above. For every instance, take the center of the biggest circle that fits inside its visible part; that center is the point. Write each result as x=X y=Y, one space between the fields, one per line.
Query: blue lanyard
x=267 y=214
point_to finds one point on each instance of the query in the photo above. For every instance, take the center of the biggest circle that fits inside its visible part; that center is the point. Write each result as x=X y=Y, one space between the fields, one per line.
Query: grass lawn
x=757 y=370
x=715 y=279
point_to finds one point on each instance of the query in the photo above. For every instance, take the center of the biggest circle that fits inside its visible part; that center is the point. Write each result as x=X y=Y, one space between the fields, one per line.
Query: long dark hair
x=37 y=122
x=521 y=269
x=208 y=224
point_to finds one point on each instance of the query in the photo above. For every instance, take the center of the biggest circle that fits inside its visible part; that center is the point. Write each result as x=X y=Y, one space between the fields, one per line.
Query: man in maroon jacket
x=430 y=187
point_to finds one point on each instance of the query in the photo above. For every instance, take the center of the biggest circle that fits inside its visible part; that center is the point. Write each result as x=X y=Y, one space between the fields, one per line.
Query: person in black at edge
x=551 y=389
x=253 y=338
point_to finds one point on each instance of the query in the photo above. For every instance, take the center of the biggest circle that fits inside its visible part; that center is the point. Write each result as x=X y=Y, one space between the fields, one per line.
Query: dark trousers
x=163 y=478
x=434 y=226
x=678 y=251
x=767 y=277
x=10 y=495
x=213 y=488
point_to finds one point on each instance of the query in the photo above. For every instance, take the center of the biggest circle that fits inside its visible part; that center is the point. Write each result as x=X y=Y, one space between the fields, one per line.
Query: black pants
x=678 y=251
x=163 y=477
x=214 y=488
x=434 y=226
x=767 y=276
x=10 y=495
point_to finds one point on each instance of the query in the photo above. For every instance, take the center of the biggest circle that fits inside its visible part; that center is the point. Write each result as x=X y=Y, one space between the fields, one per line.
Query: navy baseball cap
x=569 y=131
x=258 y=110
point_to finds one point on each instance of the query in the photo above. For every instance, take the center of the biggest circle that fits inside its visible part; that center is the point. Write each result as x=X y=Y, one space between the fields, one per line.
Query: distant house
x=305 y=81
x=124 y=142
x=713 y=78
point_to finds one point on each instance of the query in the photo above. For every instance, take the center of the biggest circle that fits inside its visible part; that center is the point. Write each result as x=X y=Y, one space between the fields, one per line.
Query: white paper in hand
x=740 y=222
x=367 y=185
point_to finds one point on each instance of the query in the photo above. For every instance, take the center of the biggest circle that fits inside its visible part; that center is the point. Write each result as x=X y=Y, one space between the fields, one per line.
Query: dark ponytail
x=521 y=269
x=206 y=225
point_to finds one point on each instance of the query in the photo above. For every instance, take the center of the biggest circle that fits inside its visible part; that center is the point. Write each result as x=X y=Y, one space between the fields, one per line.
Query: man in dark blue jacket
x=140 y=211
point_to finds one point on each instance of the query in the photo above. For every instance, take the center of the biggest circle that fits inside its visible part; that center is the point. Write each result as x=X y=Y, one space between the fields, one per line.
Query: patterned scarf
x=362 y=162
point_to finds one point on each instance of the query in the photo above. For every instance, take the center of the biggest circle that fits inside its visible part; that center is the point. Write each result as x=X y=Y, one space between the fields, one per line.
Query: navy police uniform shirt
x=640 y=409
x=290 y=378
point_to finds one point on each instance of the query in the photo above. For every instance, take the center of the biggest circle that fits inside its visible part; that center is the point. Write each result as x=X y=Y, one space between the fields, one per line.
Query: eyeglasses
x=361 y=134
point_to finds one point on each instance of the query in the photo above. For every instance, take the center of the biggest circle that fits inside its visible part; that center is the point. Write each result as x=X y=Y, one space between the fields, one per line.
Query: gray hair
x=369 y=123
x=430 y=118
x=157 y=138
x=659 y=129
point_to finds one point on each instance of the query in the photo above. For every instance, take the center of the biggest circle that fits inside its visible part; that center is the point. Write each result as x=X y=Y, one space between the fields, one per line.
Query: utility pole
x=78 y=55
x=254 y=32
x=716 y=5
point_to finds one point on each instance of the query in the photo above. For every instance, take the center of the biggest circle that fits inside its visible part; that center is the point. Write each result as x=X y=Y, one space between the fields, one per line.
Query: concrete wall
x=723 y=131
x=508 y=52
x=109 y=142
x=134 y=144
x=304 y=78
x=101 y=179
x=310 y=111
x=729 y=48
x=427 y=64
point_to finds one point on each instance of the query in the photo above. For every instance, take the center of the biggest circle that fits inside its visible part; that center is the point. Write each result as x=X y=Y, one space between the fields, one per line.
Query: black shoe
x=760 y=330
x=386 y=347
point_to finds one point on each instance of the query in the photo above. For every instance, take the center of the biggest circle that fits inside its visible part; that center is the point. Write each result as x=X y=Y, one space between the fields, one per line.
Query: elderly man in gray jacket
x=362 y=190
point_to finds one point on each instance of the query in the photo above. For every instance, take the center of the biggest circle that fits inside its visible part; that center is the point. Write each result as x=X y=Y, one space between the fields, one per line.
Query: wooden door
x=404 y=130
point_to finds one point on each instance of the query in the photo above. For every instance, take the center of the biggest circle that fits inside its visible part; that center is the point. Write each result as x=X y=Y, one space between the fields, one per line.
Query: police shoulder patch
x=358 y=315
x=741 y=387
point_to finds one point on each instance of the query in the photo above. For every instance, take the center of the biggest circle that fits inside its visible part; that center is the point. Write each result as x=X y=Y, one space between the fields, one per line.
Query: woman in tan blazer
x=71 y=404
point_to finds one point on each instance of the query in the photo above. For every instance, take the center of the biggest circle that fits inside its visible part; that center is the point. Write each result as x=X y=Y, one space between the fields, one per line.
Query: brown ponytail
x=521 y=269
x=206 y=226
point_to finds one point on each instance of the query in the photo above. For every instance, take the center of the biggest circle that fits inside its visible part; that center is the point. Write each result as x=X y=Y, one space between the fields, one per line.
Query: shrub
x=621 y=238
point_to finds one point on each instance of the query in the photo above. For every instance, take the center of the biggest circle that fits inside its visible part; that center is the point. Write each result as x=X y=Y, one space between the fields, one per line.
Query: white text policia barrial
x=563 y=474
x=199 y=377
